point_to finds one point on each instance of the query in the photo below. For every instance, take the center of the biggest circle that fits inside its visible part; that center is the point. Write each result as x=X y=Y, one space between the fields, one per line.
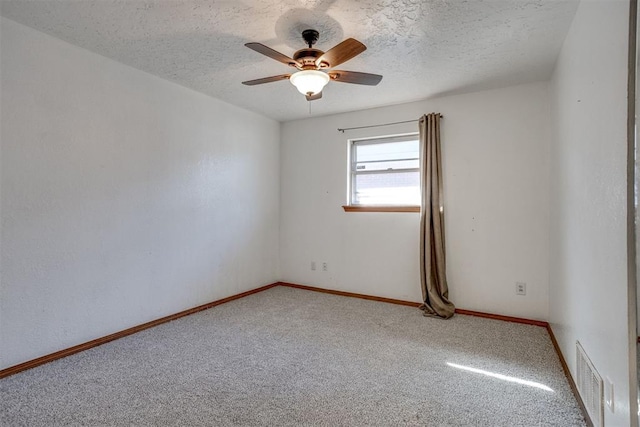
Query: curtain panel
x=433 y=277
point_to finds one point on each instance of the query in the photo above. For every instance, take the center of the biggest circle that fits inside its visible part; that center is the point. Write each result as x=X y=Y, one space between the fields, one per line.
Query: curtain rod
x=384 y=124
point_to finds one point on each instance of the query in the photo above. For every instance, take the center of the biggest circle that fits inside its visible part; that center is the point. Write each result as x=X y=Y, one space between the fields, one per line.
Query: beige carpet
x=289 y=357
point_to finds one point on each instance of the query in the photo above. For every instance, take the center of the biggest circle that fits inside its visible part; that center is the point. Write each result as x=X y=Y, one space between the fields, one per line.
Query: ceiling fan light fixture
x=309 y=82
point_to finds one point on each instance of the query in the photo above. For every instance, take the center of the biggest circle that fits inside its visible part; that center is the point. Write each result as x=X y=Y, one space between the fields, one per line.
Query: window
x=384 y=171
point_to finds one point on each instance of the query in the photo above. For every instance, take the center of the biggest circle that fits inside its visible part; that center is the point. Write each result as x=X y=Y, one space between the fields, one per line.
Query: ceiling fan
x=311 y=64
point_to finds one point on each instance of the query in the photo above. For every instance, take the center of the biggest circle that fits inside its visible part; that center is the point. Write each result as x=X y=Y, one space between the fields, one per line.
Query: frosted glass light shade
x=309 y=82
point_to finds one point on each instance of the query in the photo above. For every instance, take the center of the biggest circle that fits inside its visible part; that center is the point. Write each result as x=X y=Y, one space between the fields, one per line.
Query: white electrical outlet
x=325 y=267
x=608 y=393
x=521 y=288
x=313 y=265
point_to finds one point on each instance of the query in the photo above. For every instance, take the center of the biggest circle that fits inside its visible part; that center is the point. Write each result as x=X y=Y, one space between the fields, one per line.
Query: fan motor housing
x=307 y=57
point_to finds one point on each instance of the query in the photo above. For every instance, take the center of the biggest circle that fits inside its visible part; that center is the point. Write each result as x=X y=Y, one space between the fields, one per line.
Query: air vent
x=590 y=387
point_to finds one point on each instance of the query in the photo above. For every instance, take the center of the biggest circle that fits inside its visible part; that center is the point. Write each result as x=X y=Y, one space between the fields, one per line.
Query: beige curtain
x=435 y=291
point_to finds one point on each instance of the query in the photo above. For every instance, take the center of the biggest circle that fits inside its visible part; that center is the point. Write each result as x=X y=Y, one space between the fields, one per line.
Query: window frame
x=352 y=173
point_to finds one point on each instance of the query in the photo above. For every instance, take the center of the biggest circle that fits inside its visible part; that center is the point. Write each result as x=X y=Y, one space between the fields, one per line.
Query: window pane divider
x=382 y=171
x=373 y=208
x=389 y=160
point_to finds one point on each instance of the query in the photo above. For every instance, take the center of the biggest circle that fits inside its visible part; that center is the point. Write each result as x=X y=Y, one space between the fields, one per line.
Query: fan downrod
x=310 y=37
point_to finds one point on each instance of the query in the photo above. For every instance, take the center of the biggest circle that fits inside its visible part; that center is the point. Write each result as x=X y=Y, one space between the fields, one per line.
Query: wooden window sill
x=381 y=208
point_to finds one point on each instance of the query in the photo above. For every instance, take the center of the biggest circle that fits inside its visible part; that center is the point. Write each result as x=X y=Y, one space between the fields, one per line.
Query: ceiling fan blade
x=342 y=52
x=314 y=97
x=266 y=80
x=273 y=54
x=355 y=77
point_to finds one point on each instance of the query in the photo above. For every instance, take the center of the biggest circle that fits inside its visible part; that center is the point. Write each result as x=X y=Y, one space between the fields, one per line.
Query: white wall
x=124 y=197
x=588 y=269
x=495 y=148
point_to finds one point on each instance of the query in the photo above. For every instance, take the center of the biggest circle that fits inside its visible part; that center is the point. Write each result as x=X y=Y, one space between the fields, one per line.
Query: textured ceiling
x=423 y=48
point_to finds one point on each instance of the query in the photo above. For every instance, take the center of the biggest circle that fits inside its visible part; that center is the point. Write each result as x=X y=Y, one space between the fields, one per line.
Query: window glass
x=385 y=171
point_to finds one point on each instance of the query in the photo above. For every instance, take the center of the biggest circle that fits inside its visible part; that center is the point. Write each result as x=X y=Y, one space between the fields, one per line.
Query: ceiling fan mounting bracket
x=310 y=37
